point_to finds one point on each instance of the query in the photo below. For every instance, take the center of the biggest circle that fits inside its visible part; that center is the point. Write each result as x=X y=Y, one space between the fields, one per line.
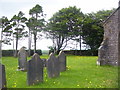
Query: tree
x=18 y=25
x=5 y=32
x=92 y=30
x=63 y=26
x=37 y=22
x=29 y=25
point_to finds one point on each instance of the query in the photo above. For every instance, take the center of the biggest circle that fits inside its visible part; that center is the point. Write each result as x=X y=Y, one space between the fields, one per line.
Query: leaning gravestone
x=2 y=77
x=22 y=59
x=62 y=61
x=52 y=66
x=35 y=70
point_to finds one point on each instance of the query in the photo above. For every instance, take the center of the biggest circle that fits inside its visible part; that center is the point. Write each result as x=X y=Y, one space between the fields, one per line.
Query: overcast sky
x=11 y=7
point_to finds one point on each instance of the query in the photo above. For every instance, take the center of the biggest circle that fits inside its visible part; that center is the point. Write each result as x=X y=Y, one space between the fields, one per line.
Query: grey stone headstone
x=35 y=70
x=53 y=66
x=22 y=60
x=2 y=77
x=62 y=61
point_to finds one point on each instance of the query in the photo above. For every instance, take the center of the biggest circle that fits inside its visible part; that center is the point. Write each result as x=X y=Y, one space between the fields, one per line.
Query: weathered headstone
x=2 y=77
x=53 y=66
x=62 y=61
x=35 y=70
x=22 y=59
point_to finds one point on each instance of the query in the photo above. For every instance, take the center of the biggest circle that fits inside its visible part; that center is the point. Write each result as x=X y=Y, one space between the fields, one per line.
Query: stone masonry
x=108 y=52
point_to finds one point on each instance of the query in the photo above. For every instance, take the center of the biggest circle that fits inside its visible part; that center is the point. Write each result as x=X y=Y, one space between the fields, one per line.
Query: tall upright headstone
x=62 y=61
x=22 y=59
x=35 y=70
x=2 y=77
x=52 y=66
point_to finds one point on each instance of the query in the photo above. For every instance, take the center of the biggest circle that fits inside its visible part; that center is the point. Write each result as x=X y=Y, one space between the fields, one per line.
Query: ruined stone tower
x=109 y=51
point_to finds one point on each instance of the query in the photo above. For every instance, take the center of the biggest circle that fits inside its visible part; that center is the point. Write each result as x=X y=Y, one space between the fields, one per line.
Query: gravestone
x=2 y=77
x=22 y=60
x=62 y=61
x=35 y=70
x=52 y=66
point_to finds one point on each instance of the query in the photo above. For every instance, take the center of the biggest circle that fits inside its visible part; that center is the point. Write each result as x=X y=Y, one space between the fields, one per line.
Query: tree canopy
x=63 y=26
x=18 y=25
x=92 y=30
x=36 y=22
x=6 y=30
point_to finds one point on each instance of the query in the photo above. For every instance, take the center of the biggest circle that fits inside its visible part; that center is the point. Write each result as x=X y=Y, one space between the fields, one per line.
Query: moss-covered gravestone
x=35 y=70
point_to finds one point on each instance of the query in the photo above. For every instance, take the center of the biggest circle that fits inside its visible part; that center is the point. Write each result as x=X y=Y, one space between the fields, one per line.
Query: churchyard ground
x=82 y=72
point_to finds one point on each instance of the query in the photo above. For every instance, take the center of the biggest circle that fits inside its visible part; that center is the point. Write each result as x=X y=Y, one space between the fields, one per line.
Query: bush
x=7 y=52
x=37 y=51
x=10 y=52
x=83 y=52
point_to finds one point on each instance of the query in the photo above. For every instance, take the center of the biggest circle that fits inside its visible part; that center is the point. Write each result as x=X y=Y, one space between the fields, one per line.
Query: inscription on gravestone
x=62 y=61
x=22 y=59
x=35 y=70
x=52 y=66
x=2 y=76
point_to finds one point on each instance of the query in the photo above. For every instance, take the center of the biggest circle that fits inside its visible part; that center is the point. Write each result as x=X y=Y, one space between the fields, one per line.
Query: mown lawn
x=82 y=72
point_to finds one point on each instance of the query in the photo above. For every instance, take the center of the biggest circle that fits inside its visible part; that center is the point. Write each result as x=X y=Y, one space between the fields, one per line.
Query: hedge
x=82 y=52
x=78 y=52
x=10 y=52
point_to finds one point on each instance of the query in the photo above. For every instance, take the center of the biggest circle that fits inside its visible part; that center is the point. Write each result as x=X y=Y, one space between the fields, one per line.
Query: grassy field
x=82 y=72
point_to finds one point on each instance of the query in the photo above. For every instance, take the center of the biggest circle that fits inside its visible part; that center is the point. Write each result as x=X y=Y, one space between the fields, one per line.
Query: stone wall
x=119 y=35
x=108 y=51
x=0 y=49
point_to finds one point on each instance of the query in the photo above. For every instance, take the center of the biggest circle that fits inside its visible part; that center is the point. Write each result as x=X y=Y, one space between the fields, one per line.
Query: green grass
x=82 y=72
